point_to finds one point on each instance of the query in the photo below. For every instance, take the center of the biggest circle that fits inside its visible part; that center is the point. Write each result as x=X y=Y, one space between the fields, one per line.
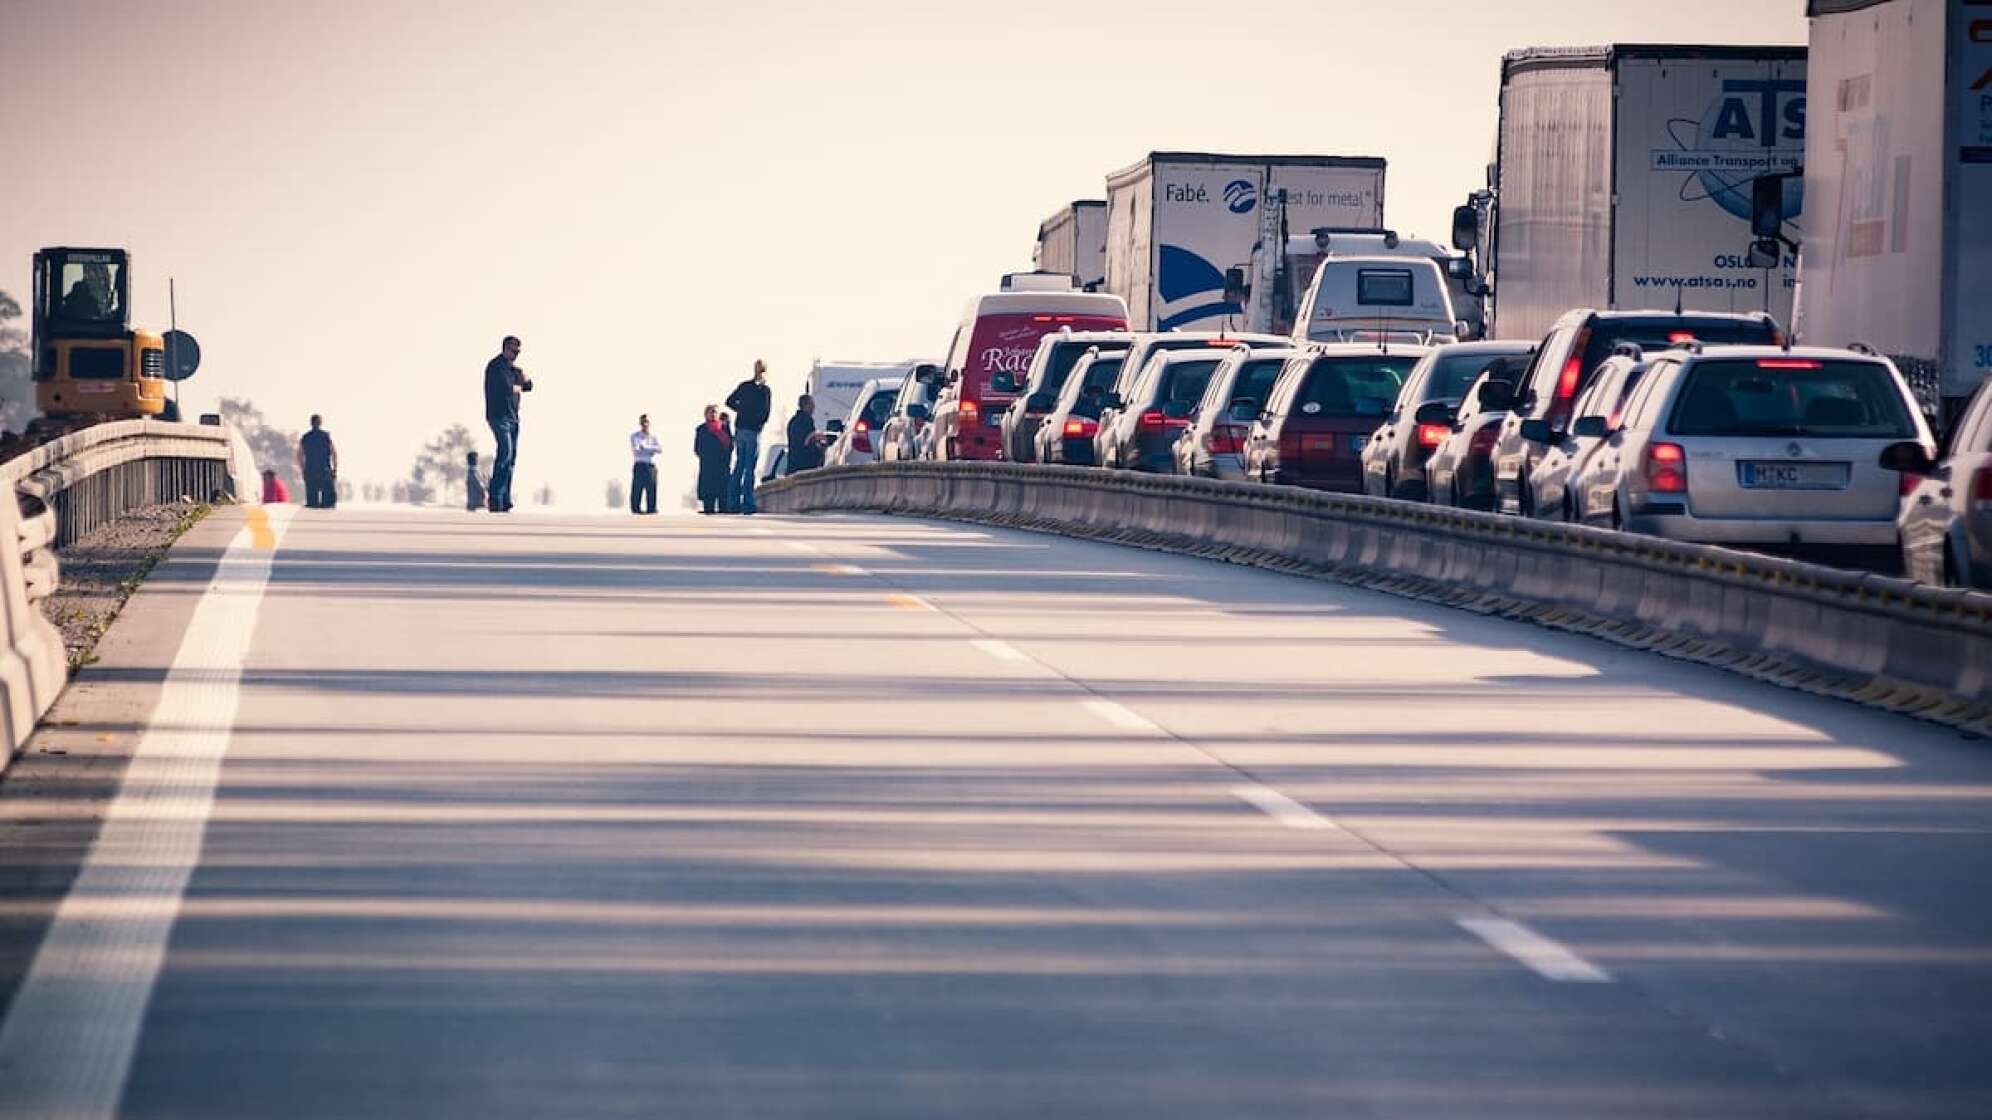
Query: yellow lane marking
x=260 y=535
x=839 y=569
x=909 y=602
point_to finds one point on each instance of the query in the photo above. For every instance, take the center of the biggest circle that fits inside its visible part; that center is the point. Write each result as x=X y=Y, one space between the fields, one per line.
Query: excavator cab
x=88 y=361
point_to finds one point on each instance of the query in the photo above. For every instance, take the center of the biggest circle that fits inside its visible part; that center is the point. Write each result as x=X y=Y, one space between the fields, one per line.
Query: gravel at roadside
x=101 y=570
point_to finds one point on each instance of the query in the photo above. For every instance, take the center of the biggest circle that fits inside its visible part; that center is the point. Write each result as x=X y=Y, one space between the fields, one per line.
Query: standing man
x=643 y=447
x=318 y=461
x=751 y=402
x=503 y=382
x=805 y=443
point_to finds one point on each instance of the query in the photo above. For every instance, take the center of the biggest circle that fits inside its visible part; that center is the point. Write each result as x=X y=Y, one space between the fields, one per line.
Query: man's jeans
x=740 y=487
x=506 y=431
x=643 y=488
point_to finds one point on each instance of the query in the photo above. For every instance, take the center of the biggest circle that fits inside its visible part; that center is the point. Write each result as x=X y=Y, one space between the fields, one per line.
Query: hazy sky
x=358 y=199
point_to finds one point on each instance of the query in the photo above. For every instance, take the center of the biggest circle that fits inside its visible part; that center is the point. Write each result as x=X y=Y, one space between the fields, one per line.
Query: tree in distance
x=439 y=469
x=17 y=386
x=613 y=494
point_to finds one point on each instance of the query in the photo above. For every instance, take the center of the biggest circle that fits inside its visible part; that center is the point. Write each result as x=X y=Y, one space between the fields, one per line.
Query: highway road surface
x=440 y=815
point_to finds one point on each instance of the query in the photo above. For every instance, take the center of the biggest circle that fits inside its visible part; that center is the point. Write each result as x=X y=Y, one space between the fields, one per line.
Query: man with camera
x=503 y=382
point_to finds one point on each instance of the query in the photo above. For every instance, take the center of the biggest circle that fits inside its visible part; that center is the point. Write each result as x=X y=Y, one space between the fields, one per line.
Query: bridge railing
x=68 y=487
x=1873 y=639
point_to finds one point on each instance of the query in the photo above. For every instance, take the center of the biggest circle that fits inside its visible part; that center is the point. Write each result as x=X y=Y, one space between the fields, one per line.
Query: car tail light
x=1053 y=318
x=1431 y=436
x=969 y=412
x=861 y=440
x=1289 y=445
x=1981 y=489
x=1080 y=428
x=1484 y=438
x=1573 y=366
x=1907 y=483
x=1680 y=337
x=1789 y=363
x=1666 y=468
x=1225 y=439
x=1154 y=420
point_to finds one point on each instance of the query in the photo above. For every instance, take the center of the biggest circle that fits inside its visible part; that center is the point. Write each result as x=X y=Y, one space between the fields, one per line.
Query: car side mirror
x=834 y=426
x=1466 y=228
x=1243 y=410
x=1496 y=396
x=918 y=412
x=1434 y=412
x=1907 y=457
x=927 y=372
x=1003 y=382
x=954 y=375
x=1236 y=289
x=1591 y=427
x=1765 y=252
x=1538 y=431
x=1177 y=410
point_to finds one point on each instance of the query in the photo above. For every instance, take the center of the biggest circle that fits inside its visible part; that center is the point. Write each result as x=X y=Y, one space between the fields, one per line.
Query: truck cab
x=87 y=358
x=1374 y=299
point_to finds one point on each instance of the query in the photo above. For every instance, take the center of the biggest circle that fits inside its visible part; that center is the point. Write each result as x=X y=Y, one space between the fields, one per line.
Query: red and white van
x=992 y=350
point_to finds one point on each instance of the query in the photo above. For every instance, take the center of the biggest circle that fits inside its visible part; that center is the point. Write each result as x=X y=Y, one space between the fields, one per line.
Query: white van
x=1377 y=298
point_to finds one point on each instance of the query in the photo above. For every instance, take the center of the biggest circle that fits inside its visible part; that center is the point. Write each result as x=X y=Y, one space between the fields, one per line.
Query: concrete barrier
x=1887 y=642
x=67 y=487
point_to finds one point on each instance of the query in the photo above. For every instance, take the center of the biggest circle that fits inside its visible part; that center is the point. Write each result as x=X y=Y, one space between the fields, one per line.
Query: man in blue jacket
x=503 y=382
x=751 y=402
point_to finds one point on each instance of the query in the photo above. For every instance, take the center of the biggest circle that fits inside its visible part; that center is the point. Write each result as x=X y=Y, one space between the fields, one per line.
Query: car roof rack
x=1863 y=348
x=1629 y=350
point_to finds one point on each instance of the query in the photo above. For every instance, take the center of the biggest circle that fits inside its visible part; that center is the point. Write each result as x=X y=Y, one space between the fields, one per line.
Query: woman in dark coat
x=713 y=444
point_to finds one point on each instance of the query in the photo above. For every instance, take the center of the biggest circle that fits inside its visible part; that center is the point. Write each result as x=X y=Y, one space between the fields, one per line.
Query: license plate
x=1317 y=443
x=86 y=387
x=1757 y=475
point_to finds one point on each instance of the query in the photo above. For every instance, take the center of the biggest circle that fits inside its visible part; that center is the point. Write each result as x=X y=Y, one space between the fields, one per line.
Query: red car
x=1321 y=412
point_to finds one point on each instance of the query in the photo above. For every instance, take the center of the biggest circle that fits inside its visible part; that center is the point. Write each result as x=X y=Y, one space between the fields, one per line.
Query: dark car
x=1053 y=362
x=1065 y=435
x=1394 y=459
x=1214 y=447
x=1158 y=410
x=1567 y=361
x=1321 y=412
x=1460 y=470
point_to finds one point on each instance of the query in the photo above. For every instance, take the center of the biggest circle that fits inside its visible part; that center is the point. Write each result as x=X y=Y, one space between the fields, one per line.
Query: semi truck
x=1177 y=220
x=1074 y=241
x=835 y=386
x=1623 y=177
x=1897 y=250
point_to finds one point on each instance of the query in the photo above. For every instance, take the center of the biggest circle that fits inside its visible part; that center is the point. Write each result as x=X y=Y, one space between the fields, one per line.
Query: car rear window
x=880 y=406
x=1386 y=287
x=1336 y=386
x=1064 y=356
x=1254 y=380
x=1661 y=334
x=1791 y=397
x=1453 y=374
x=1185 y=380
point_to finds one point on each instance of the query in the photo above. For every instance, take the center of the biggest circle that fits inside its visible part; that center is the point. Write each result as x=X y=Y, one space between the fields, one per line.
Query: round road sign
x=183 y=355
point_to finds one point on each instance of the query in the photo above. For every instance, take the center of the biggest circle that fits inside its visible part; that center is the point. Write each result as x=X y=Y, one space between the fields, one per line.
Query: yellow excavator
x=88 y=361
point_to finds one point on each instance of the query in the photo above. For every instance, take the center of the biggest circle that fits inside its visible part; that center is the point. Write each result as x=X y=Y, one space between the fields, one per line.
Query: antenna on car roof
x=1678 y=292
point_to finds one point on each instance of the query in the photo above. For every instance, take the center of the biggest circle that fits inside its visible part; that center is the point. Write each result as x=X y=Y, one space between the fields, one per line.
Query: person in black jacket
x=503 y=382
x=713 y=444
x=805 y=443
x=751 y=402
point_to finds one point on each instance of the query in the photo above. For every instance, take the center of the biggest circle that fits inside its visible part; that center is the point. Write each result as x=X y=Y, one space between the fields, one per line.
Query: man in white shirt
x=643 y=447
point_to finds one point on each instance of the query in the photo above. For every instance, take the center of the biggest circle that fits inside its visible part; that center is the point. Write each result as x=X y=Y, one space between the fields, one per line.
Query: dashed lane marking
x=907 y=602
x=1119 y=716
x=1000 y=650
x=1548 y=959
x=67 y=1043
x=1281 y=808
x=840 y=569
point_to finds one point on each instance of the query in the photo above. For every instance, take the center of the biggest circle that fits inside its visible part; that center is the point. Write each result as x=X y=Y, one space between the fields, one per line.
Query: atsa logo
x=1756 y=127
x=1240 y=196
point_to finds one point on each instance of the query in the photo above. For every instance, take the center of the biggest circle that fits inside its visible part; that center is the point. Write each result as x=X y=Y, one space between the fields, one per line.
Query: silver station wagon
x=1760 y=447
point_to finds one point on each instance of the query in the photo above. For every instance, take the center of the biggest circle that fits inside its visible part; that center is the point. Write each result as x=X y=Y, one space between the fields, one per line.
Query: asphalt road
x=864 y=817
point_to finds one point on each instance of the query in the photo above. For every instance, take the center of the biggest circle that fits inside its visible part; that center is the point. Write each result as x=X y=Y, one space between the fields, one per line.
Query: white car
x=860 y=432
x=1946 y=518
x=1567 y=452
x=1759 y=447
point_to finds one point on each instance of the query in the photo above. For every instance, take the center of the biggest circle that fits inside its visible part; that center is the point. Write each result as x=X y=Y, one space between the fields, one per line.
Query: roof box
x=1037 y=282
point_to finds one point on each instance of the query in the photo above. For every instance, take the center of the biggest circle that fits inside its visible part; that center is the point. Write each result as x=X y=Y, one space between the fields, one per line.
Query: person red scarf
x=719 y=429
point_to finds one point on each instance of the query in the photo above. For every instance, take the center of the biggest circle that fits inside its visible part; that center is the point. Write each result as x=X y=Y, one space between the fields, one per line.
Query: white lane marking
x=1281 y=808
x=761 y=532
x=841 y=570
x=1000 y=650
x=800 y=546
x=1118 y=716
x=1547 y=958
x=67 y=1044
x=907 y=602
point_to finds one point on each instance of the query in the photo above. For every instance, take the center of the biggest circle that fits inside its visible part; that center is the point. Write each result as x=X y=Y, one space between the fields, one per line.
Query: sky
x=358 y=200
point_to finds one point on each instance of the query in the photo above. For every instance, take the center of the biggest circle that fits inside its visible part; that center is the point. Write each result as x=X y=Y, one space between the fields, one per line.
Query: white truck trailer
x=1622 y=178
x=1897 y=251
x=1074 y=241
x=836 y=385
x=1177 y=220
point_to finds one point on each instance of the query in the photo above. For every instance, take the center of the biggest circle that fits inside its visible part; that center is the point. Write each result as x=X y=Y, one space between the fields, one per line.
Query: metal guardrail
x=66 y=488
x=1875 y=639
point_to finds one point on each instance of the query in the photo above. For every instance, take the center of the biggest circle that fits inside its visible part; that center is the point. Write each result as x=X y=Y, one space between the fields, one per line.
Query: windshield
x=1339 y=386
x=1792 y=397
x=89 y=288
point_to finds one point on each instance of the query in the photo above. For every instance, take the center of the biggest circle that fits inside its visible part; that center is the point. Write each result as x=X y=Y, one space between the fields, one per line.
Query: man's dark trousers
x=504 y=429
x=643 y=488
x=320 y=490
